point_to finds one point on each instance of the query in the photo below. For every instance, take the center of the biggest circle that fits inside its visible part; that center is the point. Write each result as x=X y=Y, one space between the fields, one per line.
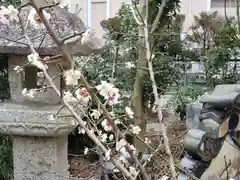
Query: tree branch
x=76 y=116
x=68 y=58
x=134 y=14
x=159 y=14
x=156 y=96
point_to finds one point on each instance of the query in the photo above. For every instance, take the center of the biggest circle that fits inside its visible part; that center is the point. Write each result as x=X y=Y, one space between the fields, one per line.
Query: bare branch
x=159 y=14
x=156 y=95
x=76 y=116
x=52 y=59
x=134 y=14
x=73 y=36
x=67 y=56
x=51 y=5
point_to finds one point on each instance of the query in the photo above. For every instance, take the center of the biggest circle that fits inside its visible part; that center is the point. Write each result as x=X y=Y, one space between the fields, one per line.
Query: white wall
x=101 y=8
x=191 y=8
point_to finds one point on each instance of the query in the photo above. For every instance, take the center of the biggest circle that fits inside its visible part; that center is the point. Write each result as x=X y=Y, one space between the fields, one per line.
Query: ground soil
x=82 y=168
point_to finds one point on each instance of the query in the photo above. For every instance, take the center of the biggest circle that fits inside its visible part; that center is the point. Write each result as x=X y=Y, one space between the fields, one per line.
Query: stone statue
x=212 y=147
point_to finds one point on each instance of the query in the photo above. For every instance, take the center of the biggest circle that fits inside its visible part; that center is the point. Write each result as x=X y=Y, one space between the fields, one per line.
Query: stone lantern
x=39 y=137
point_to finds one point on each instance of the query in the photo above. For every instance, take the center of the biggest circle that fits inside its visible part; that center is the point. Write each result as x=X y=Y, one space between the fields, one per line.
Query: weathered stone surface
x=231 y=153
x=16 y=82
x=192 y=115
x=39 y=139
x=223 y=95
x=38 y=158
x=64 y=25
x=34 y=120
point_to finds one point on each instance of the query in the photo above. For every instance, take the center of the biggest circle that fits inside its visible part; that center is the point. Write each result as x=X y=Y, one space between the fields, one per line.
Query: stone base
x=39 y=139
x=40 y=158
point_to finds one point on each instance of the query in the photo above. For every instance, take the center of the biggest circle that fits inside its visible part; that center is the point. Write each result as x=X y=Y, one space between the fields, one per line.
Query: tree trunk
x=137 y=98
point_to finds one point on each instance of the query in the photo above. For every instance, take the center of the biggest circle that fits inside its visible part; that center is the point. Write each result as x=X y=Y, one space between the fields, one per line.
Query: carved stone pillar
x=39 y=140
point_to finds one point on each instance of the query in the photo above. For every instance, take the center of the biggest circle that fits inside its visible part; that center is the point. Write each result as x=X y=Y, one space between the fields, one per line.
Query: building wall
x=190 y=8
x=194 y=7
x=102 y=9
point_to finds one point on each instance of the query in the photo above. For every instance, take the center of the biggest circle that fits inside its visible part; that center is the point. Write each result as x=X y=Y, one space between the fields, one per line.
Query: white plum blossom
x=129 y=112
x=13 y=13
x=166 y=178
x=10 y=12
x=154 y=109
x=147 y=141
x=24 y=91
x=103 y=138
x=123 y=160
x=133 y=149
x=109 y=92
x=103 y=88
x=72 y=77
x=120 y=144
x=107 y=156
x=95 y=114
x=124 y=153
x=133 y=171
x=111 y=137
x=117 y=121
x=85 y=150
x=83 y=95
x=106 y=125
x=81 y=130
x=112 y=113
x=86 y=36
x=129 y=65
x=32 y=92
x=113 y=96
x=18 y=69
x=135 y=129
x=34 y=59
x=35 y=19
x=115 y=170
x=216 y=76
x=69 y=97
x=153 y=56
x=40 y=75
x=28 y=93
x=3 y=14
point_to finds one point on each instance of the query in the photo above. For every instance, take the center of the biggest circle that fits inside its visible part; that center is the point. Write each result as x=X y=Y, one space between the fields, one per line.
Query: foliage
x=223 y=60
x=122 y=48
x=218 y=44
x=12 y=2
x=127 y=44
x=4 y=87
x=6 y=159
x=184 y=96
x=169 y=12
x=108 y=93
